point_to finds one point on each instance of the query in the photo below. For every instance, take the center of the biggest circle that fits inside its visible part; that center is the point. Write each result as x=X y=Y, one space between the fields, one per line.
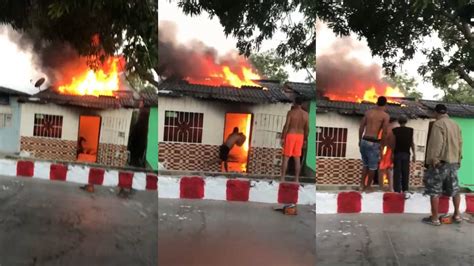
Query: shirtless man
x=235 y=138
x=293 y=137
x=374 y=121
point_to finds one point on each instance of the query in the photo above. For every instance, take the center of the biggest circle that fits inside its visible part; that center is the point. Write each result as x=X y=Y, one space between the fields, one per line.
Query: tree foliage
x=126 y=27
x=270 y=65
x=406 y=84
x=455 y=90
x=253 y=21
x=395 y=30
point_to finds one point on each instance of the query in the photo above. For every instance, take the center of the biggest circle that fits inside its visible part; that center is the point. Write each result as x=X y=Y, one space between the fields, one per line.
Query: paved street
x=206 y=232
x=398 y=239
x=55 y=223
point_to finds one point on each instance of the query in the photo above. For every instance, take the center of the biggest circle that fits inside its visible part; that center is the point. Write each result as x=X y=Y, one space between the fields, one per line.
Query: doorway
x=88 y=139
x=238 y=155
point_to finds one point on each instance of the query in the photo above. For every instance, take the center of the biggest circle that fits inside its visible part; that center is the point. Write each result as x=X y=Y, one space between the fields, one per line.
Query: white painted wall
x=115 y=128
x=214 y=117
x=333 y=119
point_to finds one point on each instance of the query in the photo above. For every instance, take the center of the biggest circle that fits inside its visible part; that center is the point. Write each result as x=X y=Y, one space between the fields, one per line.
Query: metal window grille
x=48 y=126
x=331 y=141
x=5 y=120
x=183 y=127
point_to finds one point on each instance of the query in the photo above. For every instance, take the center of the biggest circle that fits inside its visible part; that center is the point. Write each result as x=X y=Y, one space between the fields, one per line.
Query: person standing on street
x=443 y=159
x=375 y=120
x=403 y=137
x=293 y=137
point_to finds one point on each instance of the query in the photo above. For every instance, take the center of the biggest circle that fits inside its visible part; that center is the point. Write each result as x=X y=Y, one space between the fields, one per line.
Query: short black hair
x=382 y=101
x=299 y=100
x=236 y=130
x=441 y=108
x=402 y=120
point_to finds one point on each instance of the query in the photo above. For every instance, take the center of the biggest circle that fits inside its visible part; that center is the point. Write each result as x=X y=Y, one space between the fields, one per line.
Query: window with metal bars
x=5 y=120
x=48 y=126
x=183 y=127
x=331 y=141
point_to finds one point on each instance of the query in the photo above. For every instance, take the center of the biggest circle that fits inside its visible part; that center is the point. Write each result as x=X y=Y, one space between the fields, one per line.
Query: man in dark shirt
x=403 y=142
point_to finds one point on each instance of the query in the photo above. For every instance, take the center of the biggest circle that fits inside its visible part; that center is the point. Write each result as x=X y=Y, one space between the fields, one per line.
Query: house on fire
x=195 y=119
x=89 y=129
x=337 y=150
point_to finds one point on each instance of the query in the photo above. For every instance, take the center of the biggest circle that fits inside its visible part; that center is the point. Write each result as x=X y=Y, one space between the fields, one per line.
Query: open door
x=88 y=139
x=238 y=156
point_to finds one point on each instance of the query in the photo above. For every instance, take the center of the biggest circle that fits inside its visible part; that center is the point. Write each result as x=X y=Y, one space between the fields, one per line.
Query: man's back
x=375 y=120
x=403 y=139
x=446 y=134
x=298 y=119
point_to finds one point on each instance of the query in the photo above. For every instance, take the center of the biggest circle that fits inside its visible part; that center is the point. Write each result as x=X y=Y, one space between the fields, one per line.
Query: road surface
x=206 y=232
x=396 y=239
x=54 y=223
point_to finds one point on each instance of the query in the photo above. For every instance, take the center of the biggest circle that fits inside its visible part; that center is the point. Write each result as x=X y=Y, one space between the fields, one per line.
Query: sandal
x=457 y=219
x=428 y=220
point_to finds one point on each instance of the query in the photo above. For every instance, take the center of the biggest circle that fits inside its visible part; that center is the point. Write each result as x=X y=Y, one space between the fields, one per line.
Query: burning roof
x=267 y=92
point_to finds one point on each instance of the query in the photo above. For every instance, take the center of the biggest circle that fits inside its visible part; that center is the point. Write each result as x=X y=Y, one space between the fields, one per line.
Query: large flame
x=368 y=95
x=101 y=82
x=238 y=73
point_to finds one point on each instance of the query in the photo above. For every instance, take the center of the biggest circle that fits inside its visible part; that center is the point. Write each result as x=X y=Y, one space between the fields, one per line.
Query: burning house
x=195 y=119
x=337 y=150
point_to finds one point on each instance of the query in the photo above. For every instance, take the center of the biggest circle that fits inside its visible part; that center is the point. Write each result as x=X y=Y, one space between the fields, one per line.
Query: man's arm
x=385 y=124
x=285 y=128
x=460 y=146
x=363 y=123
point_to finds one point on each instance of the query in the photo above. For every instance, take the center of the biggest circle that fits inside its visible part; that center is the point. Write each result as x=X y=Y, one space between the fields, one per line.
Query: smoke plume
x=191 y=60
x=341 y=74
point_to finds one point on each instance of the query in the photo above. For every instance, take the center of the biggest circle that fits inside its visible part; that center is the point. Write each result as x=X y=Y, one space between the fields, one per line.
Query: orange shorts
x=293 y=145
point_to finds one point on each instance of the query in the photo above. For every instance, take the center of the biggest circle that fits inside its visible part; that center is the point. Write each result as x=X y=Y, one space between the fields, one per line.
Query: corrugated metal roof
x=269 y=93
x=454 y=109
x=122 y=100
x=8 y=91
x=307 y=90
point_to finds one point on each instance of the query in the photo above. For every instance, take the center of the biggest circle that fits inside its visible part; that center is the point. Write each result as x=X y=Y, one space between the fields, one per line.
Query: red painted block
x=25 y=168
x=96 y=176
x=349 y=202
x=443 y=205
x=125 y=179
x=469 y=203
x=237 y=190
x=393 y=202
x=151 y=182
x=288 y=193
x=191 y=187
x=58 y=172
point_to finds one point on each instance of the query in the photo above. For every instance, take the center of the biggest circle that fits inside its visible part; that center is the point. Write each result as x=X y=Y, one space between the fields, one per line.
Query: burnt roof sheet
x=125 y=100
x=307 y=90
x=454 y=109
x=410 y=109
x=150 y=98
x=245 y=94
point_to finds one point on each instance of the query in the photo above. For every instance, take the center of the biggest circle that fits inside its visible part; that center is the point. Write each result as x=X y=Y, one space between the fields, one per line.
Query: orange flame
x=101 y=82
x=240 y=77
x=369 y=95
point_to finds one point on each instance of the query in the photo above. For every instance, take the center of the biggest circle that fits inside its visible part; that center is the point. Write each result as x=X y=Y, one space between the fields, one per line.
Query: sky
x=210 y=32
x=325 y=38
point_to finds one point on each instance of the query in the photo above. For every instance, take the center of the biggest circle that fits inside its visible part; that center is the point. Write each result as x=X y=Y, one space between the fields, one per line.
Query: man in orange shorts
x=294 y=137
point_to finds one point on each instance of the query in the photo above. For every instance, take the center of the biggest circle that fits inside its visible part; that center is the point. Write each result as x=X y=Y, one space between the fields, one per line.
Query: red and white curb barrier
x=218 y=188
x=78 y=174
x=379 y=202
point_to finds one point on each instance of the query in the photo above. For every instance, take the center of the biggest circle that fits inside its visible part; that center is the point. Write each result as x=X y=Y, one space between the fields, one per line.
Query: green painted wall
x=466 y=173
x=152 y=144
x=311 y=151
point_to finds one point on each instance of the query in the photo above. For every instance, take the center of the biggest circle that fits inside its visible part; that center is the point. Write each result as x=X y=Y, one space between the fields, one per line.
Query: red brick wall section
x=341 y=171
x=265 y=161
x=112 y=155
x=201 y=157
x=189 y=156
x=49 y=148
x=65 y=150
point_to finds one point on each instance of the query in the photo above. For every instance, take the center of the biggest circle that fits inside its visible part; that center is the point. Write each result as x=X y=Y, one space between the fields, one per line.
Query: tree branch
x=462 y=73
